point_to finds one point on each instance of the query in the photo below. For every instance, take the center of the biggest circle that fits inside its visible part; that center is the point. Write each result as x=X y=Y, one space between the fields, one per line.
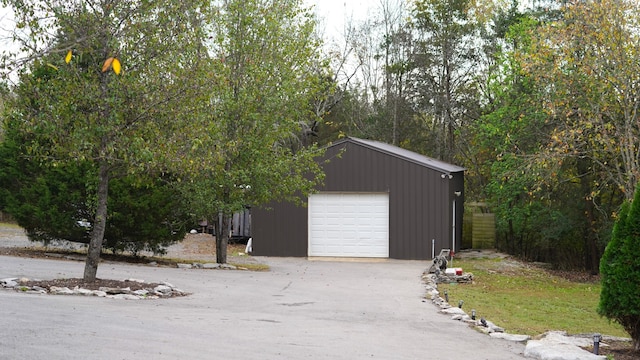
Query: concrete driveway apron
x=300 y=309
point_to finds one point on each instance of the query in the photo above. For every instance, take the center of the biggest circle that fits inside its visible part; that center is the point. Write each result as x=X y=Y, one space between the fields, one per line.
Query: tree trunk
x=589 y=232
x=98 y=226
x=223 y=228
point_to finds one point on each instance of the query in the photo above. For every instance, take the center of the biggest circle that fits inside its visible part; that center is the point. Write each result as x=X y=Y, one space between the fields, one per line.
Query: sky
x=335 y=13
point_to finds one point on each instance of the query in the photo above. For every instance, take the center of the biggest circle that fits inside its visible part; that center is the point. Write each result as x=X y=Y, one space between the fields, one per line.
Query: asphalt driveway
x=300 y=309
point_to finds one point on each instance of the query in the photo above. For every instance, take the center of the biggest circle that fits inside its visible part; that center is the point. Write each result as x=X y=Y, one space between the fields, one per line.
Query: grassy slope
x=529 y=300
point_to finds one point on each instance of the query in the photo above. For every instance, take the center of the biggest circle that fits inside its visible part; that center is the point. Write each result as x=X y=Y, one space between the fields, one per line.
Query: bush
x=620 y=272
x=56 y=201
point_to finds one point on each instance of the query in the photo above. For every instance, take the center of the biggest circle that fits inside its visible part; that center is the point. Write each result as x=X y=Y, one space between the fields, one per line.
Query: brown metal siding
x=279 y=231
x=420 y=203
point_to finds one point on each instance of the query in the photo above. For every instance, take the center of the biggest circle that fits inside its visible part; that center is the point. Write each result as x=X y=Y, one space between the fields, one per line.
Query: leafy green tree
x=537 y=202
x=55 y=202
x=263 y=60
x=509 y=130
x=586 y=65
x=583 y=64
x=121 y=84
x=620 y=271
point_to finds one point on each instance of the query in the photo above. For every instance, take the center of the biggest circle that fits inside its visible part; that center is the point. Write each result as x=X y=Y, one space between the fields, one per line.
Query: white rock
x=99 y=293
x=497 y=329
x=115 y=291
x=493 y=327
x=557 y=345
x=9 y=283
x=140 y=281
x=124 y=297
x=6 y=280
x=185 y=266
x=453 y=311
x=469 y=320
x=510 y=337
x=163 y=289
x=142 y=292
x=55 y=290
x=210 y=266
x=543 y=350
x=36 y=291
x=167 y=284
x=81 y=291
x=561 y=337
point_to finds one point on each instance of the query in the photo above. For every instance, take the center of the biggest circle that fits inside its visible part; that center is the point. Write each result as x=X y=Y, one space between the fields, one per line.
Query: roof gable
x=403 y=154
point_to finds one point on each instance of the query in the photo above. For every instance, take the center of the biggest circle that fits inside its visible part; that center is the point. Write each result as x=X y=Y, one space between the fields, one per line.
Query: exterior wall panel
x=280 y=230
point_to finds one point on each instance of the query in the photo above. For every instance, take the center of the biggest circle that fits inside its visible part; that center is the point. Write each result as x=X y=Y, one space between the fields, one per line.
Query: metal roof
x=404 y=154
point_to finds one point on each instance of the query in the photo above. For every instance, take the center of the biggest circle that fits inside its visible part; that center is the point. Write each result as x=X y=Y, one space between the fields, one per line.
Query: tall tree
x=396 y=50
x=446 y=65
x=585 y=66
x=121 y=83
x=263 y=59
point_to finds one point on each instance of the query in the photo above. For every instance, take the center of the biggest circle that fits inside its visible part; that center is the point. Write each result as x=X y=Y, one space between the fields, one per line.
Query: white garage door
x=349 y=225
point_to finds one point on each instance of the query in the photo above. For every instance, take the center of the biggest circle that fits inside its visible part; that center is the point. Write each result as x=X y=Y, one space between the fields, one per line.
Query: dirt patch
x=576 y=276
x=480 y=254
x=89 y=285
x=194 y=248
x=618 y=350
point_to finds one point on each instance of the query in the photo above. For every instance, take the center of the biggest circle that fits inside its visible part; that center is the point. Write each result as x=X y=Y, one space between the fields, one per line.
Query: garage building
x=378 y=201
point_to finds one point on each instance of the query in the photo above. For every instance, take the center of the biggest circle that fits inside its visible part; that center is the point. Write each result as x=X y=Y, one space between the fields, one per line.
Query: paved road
x=301 y=309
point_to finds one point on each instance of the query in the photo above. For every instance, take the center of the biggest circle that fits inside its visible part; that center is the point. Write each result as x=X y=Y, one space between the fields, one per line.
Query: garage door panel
x=351 y=225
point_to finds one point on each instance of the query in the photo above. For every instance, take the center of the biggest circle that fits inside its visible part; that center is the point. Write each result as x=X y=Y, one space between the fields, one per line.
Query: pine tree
x=620 y=271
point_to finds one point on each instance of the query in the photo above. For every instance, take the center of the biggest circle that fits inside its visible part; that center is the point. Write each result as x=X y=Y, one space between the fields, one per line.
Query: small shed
x=378 y=201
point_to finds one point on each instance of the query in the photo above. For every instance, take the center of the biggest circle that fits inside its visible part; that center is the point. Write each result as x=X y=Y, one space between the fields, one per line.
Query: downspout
x=453 y=234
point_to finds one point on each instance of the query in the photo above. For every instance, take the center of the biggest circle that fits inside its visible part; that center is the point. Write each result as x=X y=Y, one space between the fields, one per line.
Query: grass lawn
x=526 y=299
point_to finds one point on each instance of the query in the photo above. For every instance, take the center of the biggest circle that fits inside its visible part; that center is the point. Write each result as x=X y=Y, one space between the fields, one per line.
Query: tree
x=247 y=138
x=586 y=65
x=121 y=83
x=54 y=201
x=396 y=51
x=620 y=271
x=446 y=62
